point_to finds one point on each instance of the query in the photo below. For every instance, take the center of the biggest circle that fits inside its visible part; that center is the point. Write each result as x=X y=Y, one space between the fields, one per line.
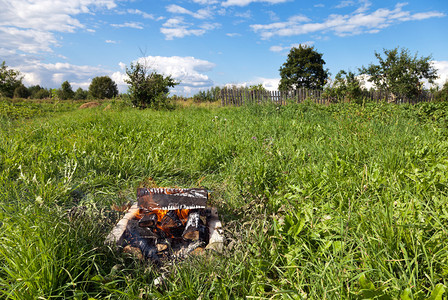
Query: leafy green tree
x=41 y=94
x=258 y=87
x=442 y=94
x=21 y=92
x=80 y=94
x=103 y=87
x=66 y=91
x=207 y=96
x=304 y=68
x=346 y=87
x=33 y=90
x=10 y=79
x=148 y=89
x=400 y=73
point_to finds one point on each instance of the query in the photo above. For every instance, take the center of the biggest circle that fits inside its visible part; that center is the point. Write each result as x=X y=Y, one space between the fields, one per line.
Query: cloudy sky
x=204 y=43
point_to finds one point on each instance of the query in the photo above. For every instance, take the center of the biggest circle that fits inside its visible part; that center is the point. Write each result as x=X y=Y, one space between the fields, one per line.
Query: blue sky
x=204 y=43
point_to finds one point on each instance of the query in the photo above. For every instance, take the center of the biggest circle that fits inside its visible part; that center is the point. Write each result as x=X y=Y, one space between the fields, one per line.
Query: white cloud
x=30 y=25
x=247 y=2
x=188 y=70
x=110 y=42
x=442 y=71
x=119 y=78
x=277 y=48
x=142 y=13
x=234 y=34
x=52 y=75
x=200 y=14
x=283 y=48
x=56 y=15
x=27 y=40
x=342 y=25
x=135 y=25
x=205 y=2
x=345 y=3
x=244 y=15
x=363 y=5
x=273 y=16
x=270 y=84
x=178 y=28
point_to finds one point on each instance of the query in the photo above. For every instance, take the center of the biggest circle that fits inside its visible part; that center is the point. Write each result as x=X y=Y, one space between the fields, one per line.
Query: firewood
x=149 y=250
x=171 y=220
x=149 y=220
x=171 y=199
x=192 y=227
x=192 y=246
x=116 y=235
x=216 y=239
x=163 y=244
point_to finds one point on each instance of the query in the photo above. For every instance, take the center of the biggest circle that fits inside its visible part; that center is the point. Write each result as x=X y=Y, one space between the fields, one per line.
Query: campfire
x=168 y=223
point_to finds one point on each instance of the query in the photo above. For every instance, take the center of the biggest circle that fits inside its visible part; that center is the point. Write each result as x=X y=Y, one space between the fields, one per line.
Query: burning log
x=171 y=199
x=168 y=224
x=194 y=229
x=148 y=221
x=171 y=220
x=183 y=252
x=163 y=244
x=135 y=239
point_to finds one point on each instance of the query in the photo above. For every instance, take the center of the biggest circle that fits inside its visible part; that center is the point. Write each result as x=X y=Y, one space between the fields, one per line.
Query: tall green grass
x=318 y=202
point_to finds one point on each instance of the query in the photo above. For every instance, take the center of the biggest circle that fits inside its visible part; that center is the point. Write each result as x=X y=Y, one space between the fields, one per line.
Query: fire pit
x=167 y=223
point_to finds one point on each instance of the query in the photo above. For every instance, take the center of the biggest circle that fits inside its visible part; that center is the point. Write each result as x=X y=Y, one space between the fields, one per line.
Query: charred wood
x=171 y=199
x=135 y=239
x=171 y=220
x=194 y=228
x=149 y=220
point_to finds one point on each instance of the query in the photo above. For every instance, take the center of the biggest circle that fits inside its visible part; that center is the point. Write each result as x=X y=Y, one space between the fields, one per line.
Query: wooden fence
x=238 y=97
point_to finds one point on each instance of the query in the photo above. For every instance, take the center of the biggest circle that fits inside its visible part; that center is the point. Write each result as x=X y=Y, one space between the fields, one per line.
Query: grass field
x=318 y=202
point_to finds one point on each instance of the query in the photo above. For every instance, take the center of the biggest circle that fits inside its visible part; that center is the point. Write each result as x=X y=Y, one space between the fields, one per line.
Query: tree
x=33 y=90
x=103 y=87
x=41 y=94
x=9 y=80
x=346 y=87
x=400 y=73
x=303 y=69
x=442 y=94
x=21 y=92
x=148 y=89
x=80 y=94
x=66 y=91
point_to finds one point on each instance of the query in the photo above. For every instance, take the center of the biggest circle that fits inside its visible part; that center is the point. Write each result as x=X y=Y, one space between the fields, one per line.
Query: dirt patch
x=89 y=105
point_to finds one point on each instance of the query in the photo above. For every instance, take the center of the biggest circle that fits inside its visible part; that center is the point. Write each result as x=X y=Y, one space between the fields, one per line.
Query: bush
x=442 y=95
x=80 y=94
x=21 y=92
x=148 y=89
x=103 y=87
x=9 y=80
x=346 y=87
x=41 y=94
x=210 y=95
x=66 y=91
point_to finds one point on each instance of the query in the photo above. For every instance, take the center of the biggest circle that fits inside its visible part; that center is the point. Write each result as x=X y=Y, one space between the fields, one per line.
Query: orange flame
x=181 y=213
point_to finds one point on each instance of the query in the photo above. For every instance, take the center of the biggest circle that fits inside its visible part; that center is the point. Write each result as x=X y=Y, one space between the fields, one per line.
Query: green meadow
x=342 y=201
